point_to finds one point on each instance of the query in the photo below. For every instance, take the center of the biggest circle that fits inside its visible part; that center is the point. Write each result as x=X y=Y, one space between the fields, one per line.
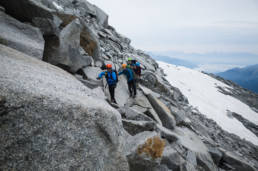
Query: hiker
x=128 y=72
x=131 y=63
x=137 y=70
x=112 y=79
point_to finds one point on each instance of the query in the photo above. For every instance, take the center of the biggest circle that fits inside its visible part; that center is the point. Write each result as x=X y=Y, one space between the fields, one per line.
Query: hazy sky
x=197 y=26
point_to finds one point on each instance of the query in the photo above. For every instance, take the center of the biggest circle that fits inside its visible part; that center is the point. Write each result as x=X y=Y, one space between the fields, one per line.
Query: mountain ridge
x=245 y=77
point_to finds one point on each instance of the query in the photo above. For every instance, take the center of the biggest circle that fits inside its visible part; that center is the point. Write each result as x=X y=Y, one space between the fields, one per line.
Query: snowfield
x=202 y=93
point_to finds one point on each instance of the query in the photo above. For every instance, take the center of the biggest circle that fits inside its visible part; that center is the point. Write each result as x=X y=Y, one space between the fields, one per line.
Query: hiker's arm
x=100 y=75
x=121 y=72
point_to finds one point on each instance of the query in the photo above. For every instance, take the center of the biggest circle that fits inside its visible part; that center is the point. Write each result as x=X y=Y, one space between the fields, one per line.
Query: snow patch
x=205 y=96
x=60 y=8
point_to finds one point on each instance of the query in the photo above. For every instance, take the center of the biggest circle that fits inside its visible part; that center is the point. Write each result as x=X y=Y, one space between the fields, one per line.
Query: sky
x=187 y=26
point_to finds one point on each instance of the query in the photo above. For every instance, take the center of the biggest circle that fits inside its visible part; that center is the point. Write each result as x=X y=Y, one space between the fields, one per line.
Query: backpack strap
x=111 y=76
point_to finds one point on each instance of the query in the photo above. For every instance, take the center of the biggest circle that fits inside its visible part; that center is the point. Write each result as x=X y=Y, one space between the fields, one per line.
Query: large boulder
x=91 y=73
x=51 y=121
x=20 y=36
x=64 y=50
x=46 y=9
x=142 y=104
x=172 y=159
x=197 y=152
x=89 y=41
x=194 y=144
x=52 y=16
x=164 y=113
x=180 y=116
x=26 y=10
x=144 y=151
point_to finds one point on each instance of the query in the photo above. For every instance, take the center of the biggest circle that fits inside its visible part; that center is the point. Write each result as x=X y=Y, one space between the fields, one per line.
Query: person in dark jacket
x=128 y=72
x=137 y=70
x=111 y=78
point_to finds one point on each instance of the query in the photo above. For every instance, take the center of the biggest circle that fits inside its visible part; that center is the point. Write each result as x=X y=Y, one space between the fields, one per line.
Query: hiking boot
x=113 y=101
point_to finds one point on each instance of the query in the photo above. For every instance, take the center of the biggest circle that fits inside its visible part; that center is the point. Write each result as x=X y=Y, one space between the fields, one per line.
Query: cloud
x=186 y=25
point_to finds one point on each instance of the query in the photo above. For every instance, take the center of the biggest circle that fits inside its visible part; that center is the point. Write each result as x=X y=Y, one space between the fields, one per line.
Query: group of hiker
x=132 y=71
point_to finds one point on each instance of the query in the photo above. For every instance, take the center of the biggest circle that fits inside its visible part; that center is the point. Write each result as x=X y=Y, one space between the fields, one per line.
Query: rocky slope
x=54 y=114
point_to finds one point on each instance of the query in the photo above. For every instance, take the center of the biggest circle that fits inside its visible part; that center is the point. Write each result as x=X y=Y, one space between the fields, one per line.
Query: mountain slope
x=246 y=77
x=203 y=94
x=55 y=114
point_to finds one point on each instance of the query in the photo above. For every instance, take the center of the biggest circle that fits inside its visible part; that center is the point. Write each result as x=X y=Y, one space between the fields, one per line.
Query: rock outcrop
x=21 y=36
x=51 y=119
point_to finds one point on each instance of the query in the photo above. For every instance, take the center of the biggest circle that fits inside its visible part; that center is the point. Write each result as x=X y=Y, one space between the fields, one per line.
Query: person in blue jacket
x=112 y=79
x=128 y=72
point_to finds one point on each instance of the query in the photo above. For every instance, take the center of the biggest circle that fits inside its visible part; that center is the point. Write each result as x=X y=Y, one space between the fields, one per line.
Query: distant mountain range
x=246 y=77
x=174 y=61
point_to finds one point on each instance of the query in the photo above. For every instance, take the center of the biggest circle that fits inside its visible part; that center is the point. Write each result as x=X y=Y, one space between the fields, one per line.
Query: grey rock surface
x=64 y=51
x=142 y=151
x=180 y=116
x=83 y=123
x=215 y=154
x=164 y=113
x=172 y=159
x=236 y=162
x=54 y=122
x=142 y=104
x=20 y=36
x=136 y=127
x=132 y=114
x=89 y=42
x=2 y=9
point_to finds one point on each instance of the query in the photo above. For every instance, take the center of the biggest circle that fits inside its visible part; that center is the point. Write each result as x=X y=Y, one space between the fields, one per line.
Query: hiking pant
x=112 y=92
x=132 y=87
x=137 y=80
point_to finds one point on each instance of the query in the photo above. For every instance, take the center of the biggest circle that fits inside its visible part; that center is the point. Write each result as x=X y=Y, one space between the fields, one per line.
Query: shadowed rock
x=236 y=162
x=63 y=50
x=135 y=127
x=20 y=36
x=89 y=42
x=132 y=114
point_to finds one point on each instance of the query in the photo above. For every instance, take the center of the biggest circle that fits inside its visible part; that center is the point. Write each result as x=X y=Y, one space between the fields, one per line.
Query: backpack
x=106 y=75
x=133 y=61
x=137 y=70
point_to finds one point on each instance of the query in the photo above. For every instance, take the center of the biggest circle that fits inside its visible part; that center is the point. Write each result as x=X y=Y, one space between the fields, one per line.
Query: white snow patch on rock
x=205 y=96
x=60 y=8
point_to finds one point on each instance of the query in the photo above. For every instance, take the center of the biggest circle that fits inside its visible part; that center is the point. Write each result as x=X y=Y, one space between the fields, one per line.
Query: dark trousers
x=132 y=87
x=112 y=92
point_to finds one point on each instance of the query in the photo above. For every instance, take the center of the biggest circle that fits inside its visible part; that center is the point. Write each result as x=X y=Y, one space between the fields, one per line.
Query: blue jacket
x=110 y=77
x=128 y=73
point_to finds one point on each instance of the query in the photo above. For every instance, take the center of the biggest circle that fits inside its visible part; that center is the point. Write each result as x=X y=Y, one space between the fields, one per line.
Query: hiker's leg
x=137 y=79
x=111 y=92
x=134 y=87
x=130 y=88
x=114 y=94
